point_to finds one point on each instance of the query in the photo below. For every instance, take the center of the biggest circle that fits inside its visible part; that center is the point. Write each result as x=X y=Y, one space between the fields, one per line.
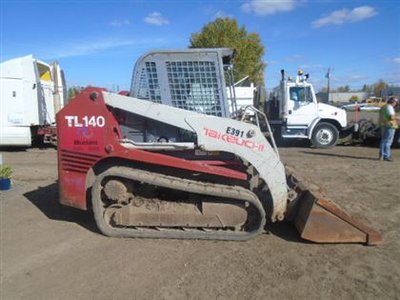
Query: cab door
x=302 y=106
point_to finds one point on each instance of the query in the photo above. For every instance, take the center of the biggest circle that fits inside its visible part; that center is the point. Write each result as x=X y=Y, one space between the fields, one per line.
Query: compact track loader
x=180 y=169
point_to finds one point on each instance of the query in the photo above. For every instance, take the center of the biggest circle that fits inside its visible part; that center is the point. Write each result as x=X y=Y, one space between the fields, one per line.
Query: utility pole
x=328 y=76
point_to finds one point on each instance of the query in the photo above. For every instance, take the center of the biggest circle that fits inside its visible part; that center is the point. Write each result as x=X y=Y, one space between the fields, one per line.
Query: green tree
x=73 y=91
x=354 y=98
x=323 y=89
x=226 y=33
x=380 y=87
x=366 y=88
x=393 y=90
x=343 y=89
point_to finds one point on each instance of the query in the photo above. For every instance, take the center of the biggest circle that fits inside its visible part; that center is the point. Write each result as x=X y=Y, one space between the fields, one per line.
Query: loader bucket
x=322 y=221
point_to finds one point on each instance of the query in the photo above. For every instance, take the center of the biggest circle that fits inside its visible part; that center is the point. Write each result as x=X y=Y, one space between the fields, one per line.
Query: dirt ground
x=54 y=252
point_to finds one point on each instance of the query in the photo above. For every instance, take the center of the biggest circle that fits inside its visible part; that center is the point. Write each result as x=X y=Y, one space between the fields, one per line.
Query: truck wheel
x=325 y=135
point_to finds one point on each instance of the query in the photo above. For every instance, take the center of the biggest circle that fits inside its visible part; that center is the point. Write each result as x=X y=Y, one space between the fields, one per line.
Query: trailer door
x=15 y=130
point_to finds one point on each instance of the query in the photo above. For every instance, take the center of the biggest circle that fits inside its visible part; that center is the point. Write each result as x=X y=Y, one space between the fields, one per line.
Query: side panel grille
x=76 y=161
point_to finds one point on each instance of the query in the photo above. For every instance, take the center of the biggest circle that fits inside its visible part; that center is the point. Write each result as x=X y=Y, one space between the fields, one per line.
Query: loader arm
x=219 y=134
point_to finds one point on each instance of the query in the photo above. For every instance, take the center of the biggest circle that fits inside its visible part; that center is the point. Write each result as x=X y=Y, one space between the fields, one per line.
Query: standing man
x=388 y=122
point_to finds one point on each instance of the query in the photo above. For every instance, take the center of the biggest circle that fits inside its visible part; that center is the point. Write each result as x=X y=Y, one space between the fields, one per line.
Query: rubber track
x=237 y=193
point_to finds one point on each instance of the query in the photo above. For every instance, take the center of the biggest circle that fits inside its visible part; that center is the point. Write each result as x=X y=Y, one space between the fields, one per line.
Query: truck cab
x=295 y=113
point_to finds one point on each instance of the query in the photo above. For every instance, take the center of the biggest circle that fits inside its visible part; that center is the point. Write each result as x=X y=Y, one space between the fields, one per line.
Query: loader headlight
x=251 y=133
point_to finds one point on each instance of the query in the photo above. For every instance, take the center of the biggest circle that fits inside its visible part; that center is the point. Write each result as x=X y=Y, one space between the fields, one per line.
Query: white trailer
x=240 y=95
x=32 y=92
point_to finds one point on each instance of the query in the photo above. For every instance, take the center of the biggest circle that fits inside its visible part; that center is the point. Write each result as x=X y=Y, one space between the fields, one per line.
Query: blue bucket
x=5 y=184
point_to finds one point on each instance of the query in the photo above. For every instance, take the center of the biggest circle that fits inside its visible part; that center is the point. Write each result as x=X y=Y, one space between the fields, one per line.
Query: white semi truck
x=294 y=113
x=32 y=92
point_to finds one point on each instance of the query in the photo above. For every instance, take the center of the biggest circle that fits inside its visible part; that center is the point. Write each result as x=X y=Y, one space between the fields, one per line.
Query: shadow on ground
x=43 y=199
x=13 y=149
x=286 y=231
x=338 y=155
x=299 y=143
x=39 y=146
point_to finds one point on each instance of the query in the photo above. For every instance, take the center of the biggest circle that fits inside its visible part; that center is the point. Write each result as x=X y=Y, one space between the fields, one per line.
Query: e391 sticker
x=233 y=139
x=235 y=132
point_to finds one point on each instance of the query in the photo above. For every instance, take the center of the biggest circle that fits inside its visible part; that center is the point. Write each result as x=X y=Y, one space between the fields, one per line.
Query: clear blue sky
x=98 y=41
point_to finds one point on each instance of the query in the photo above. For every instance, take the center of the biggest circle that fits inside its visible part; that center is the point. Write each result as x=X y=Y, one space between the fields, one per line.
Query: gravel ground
x=53 y=252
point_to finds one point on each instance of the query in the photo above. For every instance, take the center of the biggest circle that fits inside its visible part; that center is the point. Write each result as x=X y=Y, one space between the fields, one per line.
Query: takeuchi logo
x=235 y=140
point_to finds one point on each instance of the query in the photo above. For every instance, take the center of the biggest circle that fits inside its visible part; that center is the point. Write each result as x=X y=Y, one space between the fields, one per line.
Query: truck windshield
x=300 y=94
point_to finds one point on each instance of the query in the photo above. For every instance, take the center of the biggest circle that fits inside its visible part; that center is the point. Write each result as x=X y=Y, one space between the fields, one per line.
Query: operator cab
x=191 y=79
